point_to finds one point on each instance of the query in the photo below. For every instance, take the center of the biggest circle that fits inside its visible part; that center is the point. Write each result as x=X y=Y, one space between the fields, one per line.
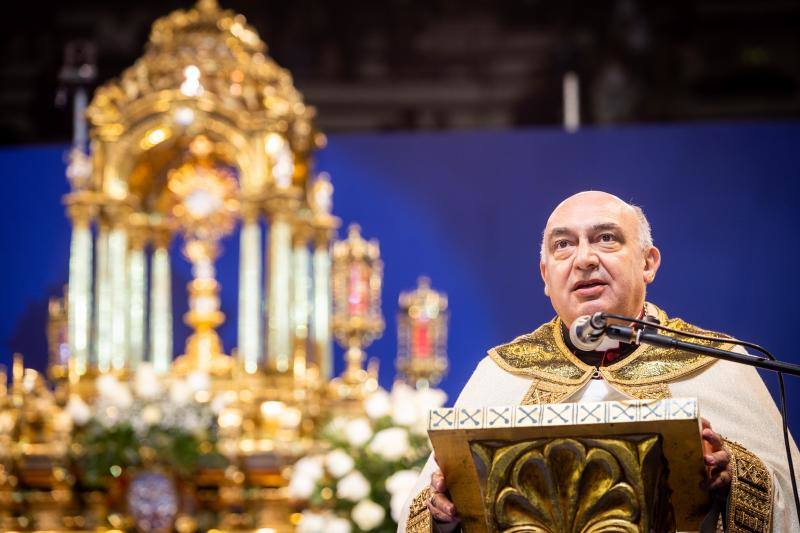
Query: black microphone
x=587 y=331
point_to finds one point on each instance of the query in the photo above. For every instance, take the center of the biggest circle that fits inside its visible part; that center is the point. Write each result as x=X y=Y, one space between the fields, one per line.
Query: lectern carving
x=590 y=467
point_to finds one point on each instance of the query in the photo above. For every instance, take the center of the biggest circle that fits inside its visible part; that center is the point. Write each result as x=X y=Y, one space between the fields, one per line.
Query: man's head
x=597 y=255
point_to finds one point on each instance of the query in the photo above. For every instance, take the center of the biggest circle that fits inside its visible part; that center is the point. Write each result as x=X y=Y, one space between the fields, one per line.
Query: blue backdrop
x=467 y=209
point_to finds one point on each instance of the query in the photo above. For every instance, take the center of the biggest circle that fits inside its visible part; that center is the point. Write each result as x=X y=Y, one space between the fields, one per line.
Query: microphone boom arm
x=638 y=336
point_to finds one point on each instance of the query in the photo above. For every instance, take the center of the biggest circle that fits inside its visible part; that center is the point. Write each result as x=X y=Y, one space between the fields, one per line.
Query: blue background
x=468 y=209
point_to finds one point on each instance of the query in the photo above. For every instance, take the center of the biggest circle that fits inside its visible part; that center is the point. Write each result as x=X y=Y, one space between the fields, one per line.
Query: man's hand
x=440 y=506
x=718 y=463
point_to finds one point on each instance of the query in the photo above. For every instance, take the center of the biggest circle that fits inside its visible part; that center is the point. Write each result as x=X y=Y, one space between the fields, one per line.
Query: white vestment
x=731 y=396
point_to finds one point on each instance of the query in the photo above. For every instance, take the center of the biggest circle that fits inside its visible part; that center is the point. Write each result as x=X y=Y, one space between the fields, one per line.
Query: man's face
x=593 y=259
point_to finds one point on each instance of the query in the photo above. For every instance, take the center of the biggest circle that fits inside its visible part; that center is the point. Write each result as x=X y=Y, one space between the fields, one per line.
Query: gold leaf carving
x=574 y=485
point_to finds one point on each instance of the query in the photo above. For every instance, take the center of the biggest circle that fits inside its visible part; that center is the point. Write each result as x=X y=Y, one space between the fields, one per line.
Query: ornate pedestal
x=574 y=467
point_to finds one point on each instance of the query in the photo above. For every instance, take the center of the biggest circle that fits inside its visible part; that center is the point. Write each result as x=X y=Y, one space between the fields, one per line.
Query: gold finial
x=207 y=5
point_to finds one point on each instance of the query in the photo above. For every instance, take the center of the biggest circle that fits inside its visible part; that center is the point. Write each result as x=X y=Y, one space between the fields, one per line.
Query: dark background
x=444 y=64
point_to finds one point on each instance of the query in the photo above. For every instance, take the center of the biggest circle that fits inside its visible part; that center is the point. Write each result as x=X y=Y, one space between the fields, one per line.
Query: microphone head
x=583 y=335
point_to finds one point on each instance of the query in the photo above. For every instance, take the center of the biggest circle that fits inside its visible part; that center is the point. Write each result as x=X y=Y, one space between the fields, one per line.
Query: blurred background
x=449 y=141
x=444 y=64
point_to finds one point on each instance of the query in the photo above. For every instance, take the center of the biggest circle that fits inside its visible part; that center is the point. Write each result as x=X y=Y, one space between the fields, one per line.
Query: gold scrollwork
x=575 y=485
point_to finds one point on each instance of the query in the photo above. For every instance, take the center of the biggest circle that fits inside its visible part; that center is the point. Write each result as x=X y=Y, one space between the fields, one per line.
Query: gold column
x=281 y=206
x=118 y=282
x=301 y=288
x=161 y=303
x=137 y=291
x=103 y=303
x=250 y=349
x=321 y=320
x=324 y=225
x=79 y=295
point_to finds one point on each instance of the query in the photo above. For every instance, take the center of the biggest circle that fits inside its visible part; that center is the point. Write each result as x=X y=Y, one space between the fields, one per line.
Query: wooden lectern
x=631 y=466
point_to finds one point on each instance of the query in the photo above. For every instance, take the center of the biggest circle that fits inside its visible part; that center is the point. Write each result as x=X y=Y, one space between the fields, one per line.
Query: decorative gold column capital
x=282 y=203
x=138 y=232
x=324 y=229
x=81 y=207
x=161 y=234
x=250 y=208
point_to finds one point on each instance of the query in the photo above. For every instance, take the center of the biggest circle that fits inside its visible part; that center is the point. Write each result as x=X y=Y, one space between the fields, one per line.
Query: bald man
x=598 y=255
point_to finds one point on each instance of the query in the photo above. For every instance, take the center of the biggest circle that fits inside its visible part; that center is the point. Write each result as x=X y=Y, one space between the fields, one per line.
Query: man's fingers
x=442 y=508
x=437 y=481
x=705 y=423
x=722 y=481
x=712 y=438
x=719 y=459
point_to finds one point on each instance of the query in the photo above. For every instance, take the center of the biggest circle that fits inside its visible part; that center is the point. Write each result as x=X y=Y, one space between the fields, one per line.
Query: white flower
x=338 y=525
x=146 y=383
x=368 y=515
x=78 y=410
x=399 y=485
x=404 y=406
x=301 y=487
x=358 y=432
x=311 y=522
x=402 y=481
x=309 y=467
x=339 y=463
x=378 y=405
x=198 y=381
x=151 y=415
x=428 y=399
x=123 y=399
x=354 y=487
x=179 y=392
x=336 y=427
x=223 y=400
x=107 y=386
x=390 y=444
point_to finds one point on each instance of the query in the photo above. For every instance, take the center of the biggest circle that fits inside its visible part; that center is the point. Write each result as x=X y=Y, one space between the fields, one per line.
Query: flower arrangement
x=150 y=422
x=371 y=466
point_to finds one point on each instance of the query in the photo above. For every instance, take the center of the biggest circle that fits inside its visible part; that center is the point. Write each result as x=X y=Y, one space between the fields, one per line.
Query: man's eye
x=607 y=237
x=561 y=244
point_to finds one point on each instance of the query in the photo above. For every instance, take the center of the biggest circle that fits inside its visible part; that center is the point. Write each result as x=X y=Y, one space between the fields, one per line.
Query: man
x=597 y=255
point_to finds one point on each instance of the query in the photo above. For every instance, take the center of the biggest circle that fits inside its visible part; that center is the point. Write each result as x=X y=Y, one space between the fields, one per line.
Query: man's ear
x=543 y=272
x=652 y=260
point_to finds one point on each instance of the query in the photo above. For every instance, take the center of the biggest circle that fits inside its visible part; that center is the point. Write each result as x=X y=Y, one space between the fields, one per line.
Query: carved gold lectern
x=573 y=467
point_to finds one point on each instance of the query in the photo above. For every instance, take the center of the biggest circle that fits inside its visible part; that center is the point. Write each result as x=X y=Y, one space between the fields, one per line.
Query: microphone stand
x=645 y=335
x=632 y=335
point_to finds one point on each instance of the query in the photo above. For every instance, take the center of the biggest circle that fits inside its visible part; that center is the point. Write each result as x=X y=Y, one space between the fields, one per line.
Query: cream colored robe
x=732 y=397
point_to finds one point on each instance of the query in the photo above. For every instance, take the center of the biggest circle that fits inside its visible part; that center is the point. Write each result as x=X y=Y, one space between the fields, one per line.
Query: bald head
x=585 y=199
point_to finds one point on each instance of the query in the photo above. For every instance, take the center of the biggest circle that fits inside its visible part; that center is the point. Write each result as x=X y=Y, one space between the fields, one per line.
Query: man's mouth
x=588 y=286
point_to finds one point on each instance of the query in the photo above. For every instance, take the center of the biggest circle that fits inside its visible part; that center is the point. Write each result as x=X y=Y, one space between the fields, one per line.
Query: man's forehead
x=591 y=210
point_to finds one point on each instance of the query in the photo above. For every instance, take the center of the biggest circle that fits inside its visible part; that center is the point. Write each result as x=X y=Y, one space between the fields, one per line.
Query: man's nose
x=586 y=258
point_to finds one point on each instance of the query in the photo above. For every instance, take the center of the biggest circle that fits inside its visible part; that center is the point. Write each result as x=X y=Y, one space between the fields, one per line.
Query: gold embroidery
x=545 y=392
x=657 y=391
x=750 y=498
x=419 y=517
x=544 y=356
x=538 y=354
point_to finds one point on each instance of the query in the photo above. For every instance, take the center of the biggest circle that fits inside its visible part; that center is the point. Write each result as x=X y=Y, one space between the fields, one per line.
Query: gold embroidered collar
x=543 y=355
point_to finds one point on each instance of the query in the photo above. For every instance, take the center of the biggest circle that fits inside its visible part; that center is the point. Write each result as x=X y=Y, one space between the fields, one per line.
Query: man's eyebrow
x=557 y=232
x=606 y=226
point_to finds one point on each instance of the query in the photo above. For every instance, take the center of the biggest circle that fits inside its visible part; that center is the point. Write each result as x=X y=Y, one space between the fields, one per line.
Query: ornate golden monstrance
x=203 y=136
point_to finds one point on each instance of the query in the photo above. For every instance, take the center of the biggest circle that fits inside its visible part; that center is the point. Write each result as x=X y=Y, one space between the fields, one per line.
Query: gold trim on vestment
x=557 y=373
x=750 y=499
x=419 y=517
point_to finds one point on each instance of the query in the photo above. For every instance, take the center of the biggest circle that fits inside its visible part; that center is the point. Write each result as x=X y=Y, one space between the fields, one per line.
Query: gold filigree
x=750 y=498
x=544 y=355
x=546 y=392
x=419 y=517
x=582 y=485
